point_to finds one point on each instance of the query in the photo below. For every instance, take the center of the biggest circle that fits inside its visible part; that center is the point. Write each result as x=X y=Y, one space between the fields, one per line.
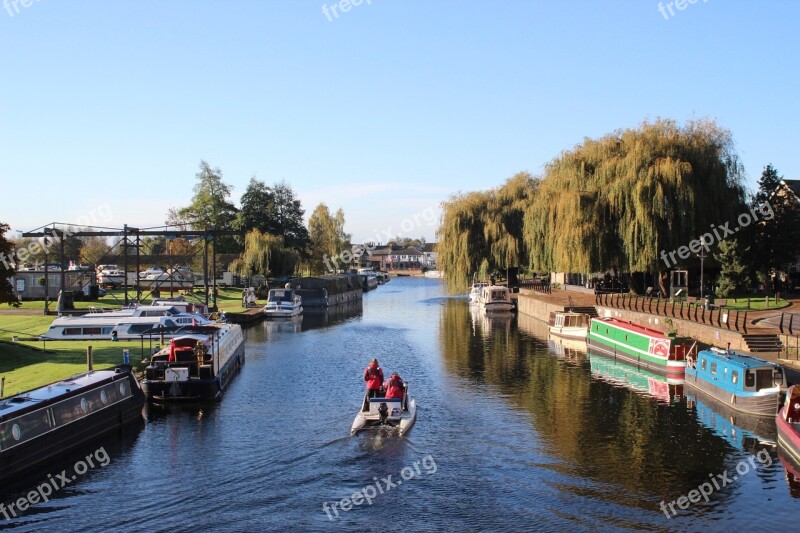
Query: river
x=513 y=433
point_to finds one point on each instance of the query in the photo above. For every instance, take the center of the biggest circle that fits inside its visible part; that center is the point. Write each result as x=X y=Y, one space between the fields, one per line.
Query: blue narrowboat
x=740 y=381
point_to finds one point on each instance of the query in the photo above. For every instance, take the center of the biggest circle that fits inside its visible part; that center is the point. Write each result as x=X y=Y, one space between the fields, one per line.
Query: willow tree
x=265 y=255
x=327 y=237
x=617 y=202
x=483 y=231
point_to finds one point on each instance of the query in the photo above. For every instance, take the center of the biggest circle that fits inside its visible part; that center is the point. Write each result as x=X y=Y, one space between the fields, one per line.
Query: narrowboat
x=740 y=381
x=197 y=365
x=641 y=346
x=569 y=325
x=620 y=374
x=41 y=424
x=496 y=299
x=788 y=423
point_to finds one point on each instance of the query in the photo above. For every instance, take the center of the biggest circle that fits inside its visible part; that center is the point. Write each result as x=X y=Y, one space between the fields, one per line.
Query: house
x=377 y=258
x=405 y=258
x=30 y=284
x=429 y=255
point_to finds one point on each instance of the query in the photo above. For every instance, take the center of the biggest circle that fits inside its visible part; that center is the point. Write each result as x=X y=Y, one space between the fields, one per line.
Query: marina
x=640 y=444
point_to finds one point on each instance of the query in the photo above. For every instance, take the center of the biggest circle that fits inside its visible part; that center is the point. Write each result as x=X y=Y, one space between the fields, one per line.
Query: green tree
x=265 y=255
x=773 y=237
x=257 y=206
x=733 y=277
x=210 y=207
x=328 y=238
x=93 y=249
x=7 y=268
x=619 y=201
x=286 y=218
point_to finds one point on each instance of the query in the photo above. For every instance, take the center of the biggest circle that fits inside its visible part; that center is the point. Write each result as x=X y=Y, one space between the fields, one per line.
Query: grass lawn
x=755 y=304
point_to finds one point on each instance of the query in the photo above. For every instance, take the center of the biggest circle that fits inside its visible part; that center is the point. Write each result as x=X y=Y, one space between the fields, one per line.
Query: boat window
x=714 y=368
x=703 y=364
x=71 y=331
x=92 y=331
x=139 y=328
x=764 y=379
x=734 y=376
x=749 y=379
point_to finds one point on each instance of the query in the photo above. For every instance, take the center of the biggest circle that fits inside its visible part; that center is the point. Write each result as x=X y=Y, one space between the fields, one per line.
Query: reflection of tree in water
x=611 y=434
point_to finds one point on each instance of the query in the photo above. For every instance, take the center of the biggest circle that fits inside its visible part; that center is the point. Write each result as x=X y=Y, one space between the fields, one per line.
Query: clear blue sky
x=106 y=108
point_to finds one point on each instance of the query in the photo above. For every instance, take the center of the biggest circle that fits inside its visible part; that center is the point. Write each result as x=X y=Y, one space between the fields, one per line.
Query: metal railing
x=694 y=312
x=534 y=285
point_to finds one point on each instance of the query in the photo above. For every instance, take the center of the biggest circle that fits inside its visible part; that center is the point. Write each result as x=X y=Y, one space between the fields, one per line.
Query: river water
x=513 y=433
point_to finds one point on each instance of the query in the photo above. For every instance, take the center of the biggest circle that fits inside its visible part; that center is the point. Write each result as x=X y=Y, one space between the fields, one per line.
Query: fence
x=717 y=317
x=535 y=285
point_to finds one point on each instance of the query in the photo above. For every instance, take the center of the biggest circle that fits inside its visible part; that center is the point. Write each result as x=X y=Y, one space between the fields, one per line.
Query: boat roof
x=23 y=400
x=637 y=328
x=739 y=359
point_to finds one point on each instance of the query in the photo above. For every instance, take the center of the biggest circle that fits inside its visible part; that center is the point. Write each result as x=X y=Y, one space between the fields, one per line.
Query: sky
x=384 y=109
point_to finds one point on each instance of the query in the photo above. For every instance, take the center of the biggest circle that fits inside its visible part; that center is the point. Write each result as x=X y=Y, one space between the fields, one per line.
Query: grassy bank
x=755 y=304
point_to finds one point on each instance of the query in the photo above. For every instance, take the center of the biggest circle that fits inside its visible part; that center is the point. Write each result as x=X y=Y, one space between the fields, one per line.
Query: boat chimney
x=89 y=366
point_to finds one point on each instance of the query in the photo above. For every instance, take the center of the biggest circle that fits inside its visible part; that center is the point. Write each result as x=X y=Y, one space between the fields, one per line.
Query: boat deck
x=23 y=400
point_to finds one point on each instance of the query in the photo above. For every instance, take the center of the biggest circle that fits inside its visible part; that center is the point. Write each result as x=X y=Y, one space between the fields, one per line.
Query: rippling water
x=512 y=433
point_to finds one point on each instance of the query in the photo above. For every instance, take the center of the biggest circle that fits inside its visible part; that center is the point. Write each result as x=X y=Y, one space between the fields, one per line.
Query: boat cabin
x=737 y=372
x=569 y=320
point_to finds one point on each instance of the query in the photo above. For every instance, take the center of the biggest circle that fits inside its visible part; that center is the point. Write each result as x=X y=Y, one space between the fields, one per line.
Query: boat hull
x=569 y=332
x=403 y=422
x=65 y=438
x=788 y=435
x=763 y=405
x=283 y=313
x=659 y=366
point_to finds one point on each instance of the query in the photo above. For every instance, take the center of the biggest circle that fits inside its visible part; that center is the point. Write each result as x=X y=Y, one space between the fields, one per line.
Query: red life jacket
x=394 y=388
x=373 y=375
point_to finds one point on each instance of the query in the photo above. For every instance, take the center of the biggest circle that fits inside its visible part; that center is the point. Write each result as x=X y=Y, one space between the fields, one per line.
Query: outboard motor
x=383 y=411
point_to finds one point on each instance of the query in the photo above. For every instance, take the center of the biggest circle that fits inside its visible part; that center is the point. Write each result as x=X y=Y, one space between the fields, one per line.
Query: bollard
x=2 y=386
x=89 y=359
x=126 y=356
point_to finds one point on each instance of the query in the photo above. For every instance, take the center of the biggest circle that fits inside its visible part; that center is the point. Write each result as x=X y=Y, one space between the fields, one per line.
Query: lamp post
x=702 y=256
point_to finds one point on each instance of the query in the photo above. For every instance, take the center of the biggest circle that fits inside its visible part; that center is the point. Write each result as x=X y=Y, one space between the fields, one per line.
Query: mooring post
x=89 y=359
x=2 y=385
x=780 y=326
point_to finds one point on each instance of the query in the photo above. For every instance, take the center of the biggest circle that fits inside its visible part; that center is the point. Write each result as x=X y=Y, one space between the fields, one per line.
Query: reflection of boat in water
x=742 y=431
x=570 y=350
x=320 y=317
x=665 y=389
x=397 y=413
x=288 y=324
x=791 y=470
x=490 y=323
x=41 y=424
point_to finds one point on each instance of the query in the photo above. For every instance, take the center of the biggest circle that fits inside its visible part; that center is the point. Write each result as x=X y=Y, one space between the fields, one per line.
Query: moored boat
x=283 y=303
x=788 y=423
x=641 y=346
x=44 y=423
x=496 y=299
x=395 y=413
x=740 y=381
x=197 y=365
x=568 y=324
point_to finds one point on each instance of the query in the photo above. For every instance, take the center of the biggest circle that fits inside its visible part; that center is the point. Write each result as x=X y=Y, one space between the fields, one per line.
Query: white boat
x=110 y=276
x=569 y=325
x=435 y=274
x=475 y=291
x=173 y=279
x=394 y=413
x=283 y=303
x=129 y=323
x=496 y=299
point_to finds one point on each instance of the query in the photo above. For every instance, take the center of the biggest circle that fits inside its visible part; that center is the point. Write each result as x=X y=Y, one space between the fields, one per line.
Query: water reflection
x=743 y=432
x=662 y=388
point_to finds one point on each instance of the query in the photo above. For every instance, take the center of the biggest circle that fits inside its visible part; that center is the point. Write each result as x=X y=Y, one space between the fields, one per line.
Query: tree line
x=617 y=204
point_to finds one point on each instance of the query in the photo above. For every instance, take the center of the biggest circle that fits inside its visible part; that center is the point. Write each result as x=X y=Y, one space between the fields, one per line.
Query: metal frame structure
x=57 y=231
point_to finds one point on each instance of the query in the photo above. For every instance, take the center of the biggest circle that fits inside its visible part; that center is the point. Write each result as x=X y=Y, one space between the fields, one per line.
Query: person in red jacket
x=394 y=386
x=373 y=375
